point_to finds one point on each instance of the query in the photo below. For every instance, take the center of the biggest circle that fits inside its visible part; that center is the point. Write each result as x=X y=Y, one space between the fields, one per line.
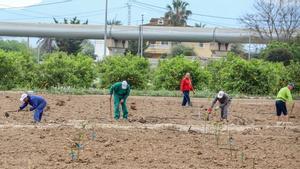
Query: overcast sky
x=213 y=13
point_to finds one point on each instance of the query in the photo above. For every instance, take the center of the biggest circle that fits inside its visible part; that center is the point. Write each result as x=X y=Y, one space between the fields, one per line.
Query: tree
x=47 y=45
x=274 y=19
x=200 y=25
x=238 y=49
x=177 y=13
x=281 y=52
x=87 y=48
x=70 y=46
x=182 y=50
x=13 y=45
x=133 y=46
x=114 y=22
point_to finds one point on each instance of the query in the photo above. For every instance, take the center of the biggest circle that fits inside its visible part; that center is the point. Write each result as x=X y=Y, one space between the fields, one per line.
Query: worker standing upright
x=185 y=87
x=121 y=91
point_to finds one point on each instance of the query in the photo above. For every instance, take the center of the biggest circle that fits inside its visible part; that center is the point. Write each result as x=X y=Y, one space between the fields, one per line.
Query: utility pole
x=28 y=42
x=139 y=41
x=142 y=39
x=249 y=50
x=129 y=12
x=105 y=30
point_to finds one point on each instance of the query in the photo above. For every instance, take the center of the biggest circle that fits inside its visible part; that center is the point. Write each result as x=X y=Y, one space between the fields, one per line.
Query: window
x=201 y=45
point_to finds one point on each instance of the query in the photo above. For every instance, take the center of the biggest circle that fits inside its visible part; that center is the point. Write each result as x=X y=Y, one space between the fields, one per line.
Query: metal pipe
x=150 y=33
x=105 y=30
x=142 y=40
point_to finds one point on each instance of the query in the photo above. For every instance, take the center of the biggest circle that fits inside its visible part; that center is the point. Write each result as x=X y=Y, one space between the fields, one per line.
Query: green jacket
x=116 y=89
x=284 y=94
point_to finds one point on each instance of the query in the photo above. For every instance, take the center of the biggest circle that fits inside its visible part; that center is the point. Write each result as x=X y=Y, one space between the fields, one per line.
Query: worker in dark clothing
x=38 y=104
x=224 y=101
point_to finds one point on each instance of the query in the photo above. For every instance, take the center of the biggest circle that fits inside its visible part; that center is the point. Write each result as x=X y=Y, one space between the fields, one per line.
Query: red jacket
x=186 y=84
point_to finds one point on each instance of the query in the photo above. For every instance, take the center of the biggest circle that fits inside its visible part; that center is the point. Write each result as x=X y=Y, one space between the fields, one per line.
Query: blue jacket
x=35 y=102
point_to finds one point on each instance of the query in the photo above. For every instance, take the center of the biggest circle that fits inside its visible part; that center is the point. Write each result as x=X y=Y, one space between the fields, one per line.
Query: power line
x=80 y=14
x=43 y=4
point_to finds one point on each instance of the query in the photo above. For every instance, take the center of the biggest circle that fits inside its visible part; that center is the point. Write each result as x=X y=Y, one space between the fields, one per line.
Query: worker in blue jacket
x=38 y=104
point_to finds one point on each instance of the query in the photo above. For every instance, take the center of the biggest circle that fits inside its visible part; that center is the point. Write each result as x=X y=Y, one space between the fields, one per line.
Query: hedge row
x=231 y=73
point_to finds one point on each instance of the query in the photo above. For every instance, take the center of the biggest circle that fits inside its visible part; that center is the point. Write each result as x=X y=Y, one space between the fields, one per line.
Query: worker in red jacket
x=186 y=86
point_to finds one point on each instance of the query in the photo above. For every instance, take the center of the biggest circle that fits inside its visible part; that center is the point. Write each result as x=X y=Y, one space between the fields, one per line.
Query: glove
x=31 y=108
x=209 y=110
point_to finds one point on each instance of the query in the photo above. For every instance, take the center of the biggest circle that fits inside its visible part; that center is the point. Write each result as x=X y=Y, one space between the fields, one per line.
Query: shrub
x=293 y=74
x=131 y=68
x=234 y=74
x=182 y=50
x=170 y=72
x=13 y=46
x=281 y=51
x=16 y=69
x=60 y=69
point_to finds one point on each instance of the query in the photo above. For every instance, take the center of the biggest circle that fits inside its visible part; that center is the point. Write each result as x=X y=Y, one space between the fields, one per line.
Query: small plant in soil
x=217 y=131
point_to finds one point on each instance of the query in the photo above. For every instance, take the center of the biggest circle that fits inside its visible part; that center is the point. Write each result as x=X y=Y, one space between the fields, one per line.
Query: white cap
x=124 y=85
x=221 y=94
x=23 y=97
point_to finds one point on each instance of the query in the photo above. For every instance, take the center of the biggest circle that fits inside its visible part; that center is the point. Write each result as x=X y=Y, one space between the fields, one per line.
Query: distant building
x=113 y=47
x=159 y=49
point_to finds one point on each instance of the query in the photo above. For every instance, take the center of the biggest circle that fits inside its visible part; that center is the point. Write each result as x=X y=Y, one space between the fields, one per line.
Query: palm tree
x=47 y=45
x=114 y=22
x=177 y=13
x=200 y=25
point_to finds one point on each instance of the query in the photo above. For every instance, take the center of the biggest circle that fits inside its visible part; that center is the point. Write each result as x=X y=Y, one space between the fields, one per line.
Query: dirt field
x=159 y=134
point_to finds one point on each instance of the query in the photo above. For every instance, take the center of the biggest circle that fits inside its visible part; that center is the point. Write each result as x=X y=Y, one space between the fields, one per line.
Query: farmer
x=283 y=96
x=224 y=101
x=121 y=91
x=186 y=86
x=38 y=104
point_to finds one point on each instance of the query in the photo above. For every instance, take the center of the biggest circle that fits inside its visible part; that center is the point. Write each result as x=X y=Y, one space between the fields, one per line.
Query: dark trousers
x=280 y=108
x=186 y=98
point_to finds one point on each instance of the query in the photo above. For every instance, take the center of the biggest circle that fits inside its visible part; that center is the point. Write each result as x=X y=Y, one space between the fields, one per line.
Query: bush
x=279 y=55
x=182 y=50
x=13 y=46
x=281 y=52
x=60 y=69
x=234 y=74
x=131 y=68
x=170 y=72
x=293 y=74
x=16 y=69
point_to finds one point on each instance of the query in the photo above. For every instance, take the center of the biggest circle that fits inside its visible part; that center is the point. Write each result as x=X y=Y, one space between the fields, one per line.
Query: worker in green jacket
x=121 y=91
x=284 y=95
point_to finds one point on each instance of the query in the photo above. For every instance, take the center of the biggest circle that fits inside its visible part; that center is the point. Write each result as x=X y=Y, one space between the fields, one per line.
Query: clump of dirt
x=133 y=107
x=7 y=97
x=142 y=120
x=47 y=108
x=60 y=103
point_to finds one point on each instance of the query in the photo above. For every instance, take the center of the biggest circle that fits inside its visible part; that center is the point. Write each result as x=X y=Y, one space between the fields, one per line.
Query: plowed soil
x=160 y=133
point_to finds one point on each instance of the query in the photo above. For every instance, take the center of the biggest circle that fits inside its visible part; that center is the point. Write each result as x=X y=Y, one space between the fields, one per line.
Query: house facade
x=159 y=49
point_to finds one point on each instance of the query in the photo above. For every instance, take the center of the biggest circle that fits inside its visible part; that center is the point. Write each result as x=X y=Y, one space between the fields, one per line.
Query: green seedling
x=217 y=131
x=93 y=135
x=73 y=155
x=231 y=143
x=242 y=158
